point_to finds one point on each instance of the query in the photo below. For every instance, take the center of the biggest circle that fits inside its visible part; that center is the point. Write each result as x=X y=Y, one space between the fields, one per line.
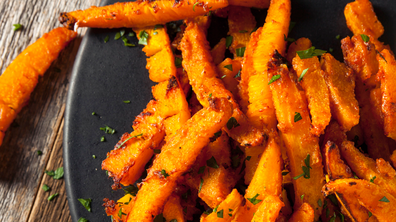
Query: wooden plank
x=38 y=125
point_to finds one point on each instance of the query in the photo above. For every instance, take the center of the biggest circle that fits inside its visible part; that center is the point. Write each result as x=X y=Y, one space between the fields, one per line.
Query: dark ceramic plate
x=106 y=74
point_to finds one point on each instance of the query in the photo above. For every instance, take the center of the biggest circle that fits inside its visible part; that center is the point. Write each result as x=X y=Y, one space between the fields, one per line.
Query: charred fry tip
x=66 y=20
x=172 y=84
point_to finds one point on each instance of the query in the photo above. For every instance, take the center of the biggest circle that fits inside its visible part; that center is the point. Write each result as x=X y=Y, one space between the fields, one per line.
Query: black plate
x=106 y=74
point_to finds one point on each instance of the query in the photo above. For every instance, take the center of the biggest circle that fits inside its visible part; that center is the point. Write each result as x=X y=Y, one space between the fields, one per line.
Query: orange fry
x=138 y=14
x=387 y=75
x=177 y=157
x=203 y=76
x=268 y=210
x=21 y=76
x=304 y=214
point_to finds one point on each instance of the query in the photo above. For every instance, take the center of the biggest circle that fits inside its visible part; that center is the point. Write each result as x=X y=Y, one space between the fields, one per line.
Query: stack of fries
x=285 y=124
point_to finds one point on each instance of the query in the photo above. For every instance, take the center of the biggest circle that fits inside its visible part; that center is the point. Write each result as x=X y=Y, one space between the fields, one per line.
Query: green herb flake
x=254 y=199
x=126 y=101
x=230 y=210
x=158 y=26
x=210 y=95
x=365 y=38
x=229 y=67
x=94 y=156
x=178 y=62
x=102 y=139
x=223 y=76
x=45 y=187
x=93 y=113
x=320 y=203
x=240 y=52
x=132 y=190
x=338 y=36
x=302 y=197
x=131 y=34
x=284 y=173
x=58 y=173
x=164 y=173
x=332 y=219
x=50 y=198
x=238 y=74
x=220 y=214
x=306 y=171
x=309 y=53
x=17 y=27
x=274 y=78
x=201 y=170
x=232 y=123
x=82 y=219
x=212 y=163
x=39 y=152
x=120 y=213
x=155 y=33
x=200 y=185
x=126 y=42
x=107 y=130
x=86 y=203
x=117 y=36
x=195 y=5
x=370 y=214
x=331 y=49
x=372 y=179
x=297 y=117
x=106 y=39
x=248 y=158
x=122 y=32
x=229 y=41
x=143 y=35
x=384 y=199
x=50 y=173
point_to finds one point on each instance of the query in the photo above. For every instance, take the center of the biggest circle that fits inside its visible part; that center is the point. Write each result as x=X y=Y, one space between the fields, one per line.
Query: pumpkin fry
x=202 y=73
x=138 y=14
x=379 y=202
x=176 y=157
x=302 y=147
x=304 y=214
x=21 y=76
x=268 y=210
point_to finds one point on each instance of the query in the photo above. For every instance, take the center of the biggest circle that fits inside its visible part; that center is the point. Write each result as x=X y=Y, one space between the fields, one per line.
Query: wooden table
x=39 y=126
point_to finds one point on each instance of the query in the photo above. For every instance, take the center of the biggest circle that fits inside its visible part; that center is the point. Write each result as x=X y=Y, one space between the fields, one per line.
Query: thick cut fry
x=161 y=66
x=176 y=157
x=261 y=110
x=335 y=166
x=241 y=23
x=202 y=73
x=218 y=51
x=300 y=44
x=302 y=147
x=360 y=56
x=379 y=202
x=268 y=210
x=126 y=162
x=211 y=173
x=247 y=70
x=361 y=19
x=155 y=42
x=253 y=155
x=227 y=70
x=21 y=76
x=340 y=81
x=138 y=14
x=267 y=180
x=305 y=213
x=387 y=75
x=316 y=91
x=250 y=3
x=366 y=168
x=227 y=209
x=173 y=210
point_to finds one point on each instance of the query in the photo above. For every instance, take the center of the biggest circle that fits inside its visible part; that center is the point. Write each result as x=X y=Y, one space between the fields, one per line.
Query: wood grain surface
x=39 y=126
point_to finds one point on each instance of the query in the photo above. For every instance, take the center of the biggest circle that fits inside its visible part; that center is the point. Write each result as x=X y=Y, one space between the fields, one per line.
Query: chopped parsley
x=120 y=213
x=132 y=190
x=302 y=197
x=309 y=53
x=297 y=117
x=306 y=171
x=126 y=43
x=303 y=74
x=94 y=156
x=229 y=67
x=331 y=49
x=158 y=26
x=155 y=33
x=229 y=41
x=122 y=32
x=365 y=38
x=131 y=34
x=86 y=203
x=82 y=219
x=143 y=35
x=210 y=95
x=58 y=173
x=17 y=27
x=370 y=214
x=240 y=52
x=223 y=76
x=274 y=78
x=93 y=113
x=212 y=163
x=232 y=123
x=238 y=74
x=220 y=214
x=201 y=170
x=107 y=130
x=117 y=36
x=372 y=179
x=254 y=199
x=39 y=153
x=384 y=199
x=338 y=37
x=200 y=185
x=102 y=139
x=45 y=187
x=106 y=39
x=50 y=173
x=178 y=62
x=126 y=101
x=50 y=198
x=195 y=5
x=164 y=173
